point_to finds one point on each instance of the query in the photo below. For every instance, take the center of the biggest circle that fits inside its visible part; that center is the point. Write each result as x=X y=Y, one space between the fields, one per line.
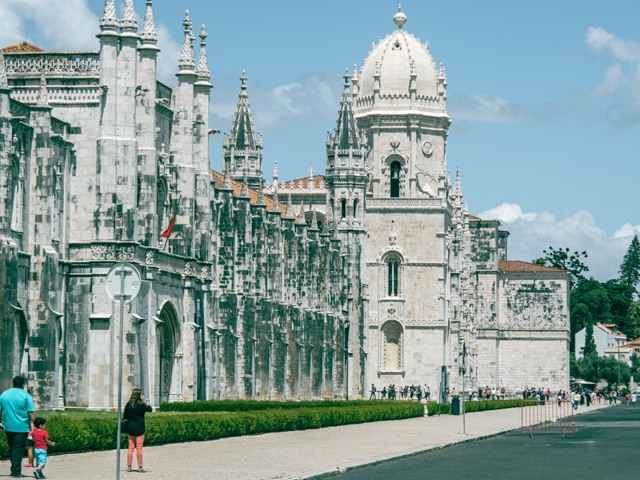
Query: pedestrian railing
x=546 y=417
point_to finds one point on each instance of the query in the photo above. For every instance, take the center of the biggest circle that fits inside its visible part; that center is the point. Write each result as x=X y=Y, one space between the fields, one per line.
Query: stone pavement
x=289 y=455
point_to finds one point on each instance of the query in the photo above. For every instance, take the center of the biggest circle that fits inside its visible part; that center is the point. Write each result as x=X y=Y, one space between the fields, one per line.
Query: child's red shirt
x=40 y=439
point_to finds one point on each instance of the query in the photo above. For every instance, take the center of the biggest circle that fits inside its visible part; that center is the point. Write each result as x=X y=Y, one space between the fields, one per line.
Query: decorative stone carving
x=54 y=64
x=112 y=252
x=427 y=148
x=424 y=322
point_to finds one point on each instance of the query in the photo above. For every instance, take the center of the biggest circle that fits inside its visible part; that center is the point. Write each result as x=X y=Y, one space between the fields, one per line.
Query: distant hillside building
x=374 y=272
x=605 y=335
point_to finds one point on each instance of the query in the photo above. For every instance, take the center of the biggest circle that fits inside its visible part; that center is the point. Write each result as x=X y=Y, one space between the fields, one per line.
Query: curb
x=347 y=467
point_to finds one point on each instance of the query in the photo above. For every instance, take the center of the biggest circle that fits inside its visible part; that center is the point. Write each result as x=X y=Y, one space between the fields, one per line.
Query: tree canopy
x=629 y=273
x=563 y=258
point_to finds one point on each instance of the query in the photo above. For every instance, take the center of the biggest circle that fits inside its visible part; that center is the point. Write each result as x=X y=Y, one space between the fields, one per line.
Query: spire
x=187 y=62
x=346 y=132
x=243 y=146
x=301 y=217
x=289 y=213
x=3 y=72
x=43 y=94
x=109 y=20
x=226 y=182
x=149 y=35
x=314 y=221
x=276 y=203
x=275 y=172
x=355 y=81
x=260 y=195
x=204 y=75
x=244 y=192
x=242 y=134
x=129 y=23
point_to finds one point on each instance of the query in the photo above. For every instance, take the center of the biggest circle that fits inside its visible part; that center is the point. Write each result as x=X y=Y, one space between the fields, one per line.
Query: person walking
x=134 y=412
x=17 y=412
x=40 y=441
x=373 y=392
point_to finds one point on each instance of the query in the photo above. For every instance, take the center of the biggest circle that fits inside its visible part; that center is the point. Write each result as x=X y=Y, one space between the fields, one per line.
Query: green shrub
x=473 y=406
x=495 y=405
x=252 y=405
x=432 y=408
x=71 y=434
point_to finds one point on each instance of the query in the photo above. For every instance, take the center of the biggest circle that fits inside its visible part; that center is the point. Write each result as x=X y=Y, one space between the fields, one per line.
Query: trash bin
x=455 y=405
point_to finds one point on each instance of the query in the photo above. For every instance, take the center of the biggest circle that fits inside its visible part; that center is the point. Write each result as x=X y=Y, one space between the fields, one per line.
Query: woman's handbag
x=124 y=426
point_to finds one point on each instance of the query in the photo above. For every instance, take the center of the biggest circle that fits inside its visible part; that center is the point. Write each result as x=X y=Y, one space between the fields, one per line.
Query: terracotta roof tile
x=473 y=217
x=237 y=188
x=23 y=47
x=519 y=266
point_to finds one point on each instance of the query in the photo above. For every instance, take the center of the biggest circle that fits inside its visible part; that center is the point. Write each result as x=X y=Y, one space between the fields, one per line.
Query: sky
x=544 y=96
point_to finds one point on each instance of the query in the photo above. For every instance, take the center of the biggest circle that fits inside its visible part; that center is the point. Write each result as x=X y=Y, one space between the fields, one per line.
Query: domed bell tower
x=400 y=105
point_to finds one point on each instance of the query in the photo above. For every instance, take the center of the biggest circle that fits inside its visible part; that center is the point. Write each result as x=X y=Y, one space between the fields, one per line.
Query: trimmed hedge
x=254 y=405
x=493 y=405
x=473 y=406
x=100 y=434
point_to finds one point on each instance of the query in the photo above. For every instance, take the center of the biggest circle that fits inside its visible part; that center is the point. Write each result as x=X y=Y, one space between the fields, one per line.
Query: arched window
x=343 y=204
x=393 y=277
x=395 y=179
x=355 y=208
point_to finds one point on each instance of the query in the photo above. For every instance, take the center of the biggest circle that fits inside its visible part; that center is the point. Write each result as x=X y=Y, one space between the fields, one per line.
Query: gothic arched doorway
x=169 y=365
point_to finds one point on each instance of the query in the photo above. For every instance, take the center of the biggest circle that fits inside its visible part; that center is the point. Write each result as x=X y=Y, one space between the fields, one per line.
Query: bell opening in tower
x=395 y=180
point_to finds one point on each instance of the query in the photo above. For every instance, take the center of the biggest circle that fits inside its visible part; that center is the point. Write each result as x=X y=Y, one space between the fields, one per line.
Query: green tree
x=589 y=343
x=572 y=262
x=635 y=366
x=575 y=367
x=630 y=267
x=614 y=372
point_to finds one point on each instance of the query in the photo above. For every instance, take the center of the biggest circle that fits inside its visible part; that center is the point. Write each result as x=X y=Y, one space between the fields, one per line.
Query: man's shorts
x=41 y=456
x=29 y=443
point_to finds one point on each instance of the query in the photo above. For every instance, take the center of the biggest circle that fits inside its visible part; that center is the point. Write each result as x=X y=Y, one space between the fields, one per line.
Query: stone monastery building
x=380 y=275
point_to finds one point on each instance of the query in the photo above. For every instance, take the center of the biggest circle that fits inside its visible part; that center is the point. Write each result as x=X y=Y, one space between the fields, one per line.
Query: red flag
x=167 y=232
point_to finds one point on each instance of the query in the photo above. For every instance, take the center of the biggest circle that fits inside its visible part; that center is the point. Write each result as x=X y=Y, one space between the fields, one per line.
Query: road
x=604 y=446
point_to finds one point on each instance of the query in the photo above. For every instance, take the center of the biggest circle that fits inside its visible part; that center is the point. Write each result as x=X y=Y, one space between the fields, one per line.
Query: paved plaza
x=289 y=455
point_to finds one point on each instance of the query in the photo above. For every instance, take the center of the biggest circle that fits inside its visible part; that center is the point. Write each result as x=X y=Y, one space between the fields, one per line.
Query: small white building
x=623 y=352
x=605 y=335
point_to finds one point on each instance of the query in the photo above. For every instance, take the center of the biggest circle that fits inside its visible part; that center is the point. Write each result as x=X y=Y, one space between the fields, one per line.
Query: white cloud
x=311 y=100
x=532 y=232
x=620 y=88
x=487 y=108
x=49 y=24
x=627 y=231
x=170 y=52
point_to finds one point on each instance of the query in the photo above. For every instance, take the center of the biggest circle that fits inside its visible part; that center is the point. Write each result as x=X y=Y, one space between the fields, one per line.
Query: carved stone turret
x=243 y=146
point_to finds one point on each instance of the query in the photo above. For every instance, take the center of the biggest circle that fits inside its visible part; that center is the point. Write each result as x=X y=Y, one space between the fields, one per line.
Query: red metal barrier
x=546 y=417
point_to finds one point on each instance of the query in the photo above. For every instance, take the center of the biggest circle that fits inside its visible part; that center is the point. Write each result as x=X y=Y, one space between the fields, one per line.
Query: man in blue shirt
x=17 y=412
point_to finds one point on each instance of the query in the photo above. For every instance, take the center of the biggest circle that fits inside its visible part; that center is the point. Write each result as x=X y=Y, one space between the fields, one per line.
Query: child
x=40 y=441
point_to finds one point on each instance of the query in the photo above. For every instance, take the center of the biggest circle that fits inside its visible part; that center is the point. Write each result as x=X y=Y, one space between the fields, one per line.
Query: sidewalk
x=289 y=455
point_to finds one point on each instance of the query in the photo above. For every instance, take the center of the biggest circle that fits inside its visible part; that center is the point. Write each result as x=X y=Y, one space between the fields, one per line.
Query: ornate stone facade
x=243 y=300
x=246 y=299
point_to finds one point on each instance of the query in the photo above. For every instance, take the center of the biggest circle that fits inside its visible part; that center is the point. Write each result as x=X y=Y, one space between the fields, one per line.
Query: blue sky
x=544 y=96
